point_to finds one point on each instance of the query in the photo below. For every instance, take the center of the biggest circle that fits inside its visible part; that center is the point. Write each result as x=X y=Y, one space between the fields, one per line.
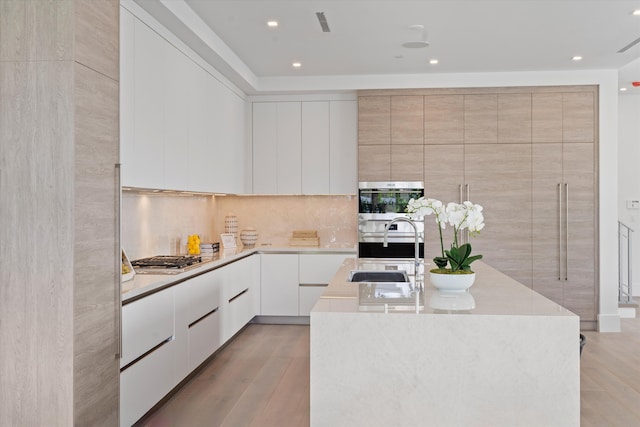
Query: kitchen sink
x=395 y=276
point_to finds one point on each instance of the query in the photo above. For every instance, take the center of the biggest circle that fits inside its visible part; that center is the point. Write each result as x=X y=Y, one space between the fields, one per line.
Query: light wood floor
x=262 y=379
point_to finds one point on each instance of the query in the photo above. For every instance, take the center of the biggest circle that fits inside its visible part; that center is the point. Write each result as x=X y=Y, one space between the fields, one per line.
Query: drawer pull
x=239 y=295
x=313 y=285
x=203 y=317
x=146 y=354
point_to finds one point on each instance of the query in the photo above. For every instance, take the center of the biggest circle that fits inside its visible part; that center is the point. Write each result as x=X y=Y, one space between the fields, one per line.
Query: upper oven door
x=376 y=198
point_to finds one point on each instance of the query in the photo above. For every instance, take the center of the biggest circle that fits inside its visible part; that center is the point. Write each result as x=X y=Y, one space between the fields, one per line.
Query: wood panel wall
x=58 y=148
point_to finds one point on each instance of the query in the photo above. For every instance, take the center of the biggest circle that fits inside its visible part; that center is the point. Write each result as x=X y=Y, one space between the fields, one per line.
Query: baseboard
x=281 y=320
x=627 y=312
x=608 y=323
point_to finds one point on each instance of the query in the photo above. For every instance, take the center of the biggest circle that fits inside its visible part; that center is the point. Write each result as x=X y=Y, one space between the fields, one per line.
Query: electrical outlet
x=633 y=204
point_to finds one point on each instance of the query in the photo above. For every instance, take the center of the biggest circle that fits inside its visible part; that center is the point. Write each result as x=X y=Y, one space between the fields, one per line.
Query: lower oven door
x=400 y=237
x=393 y=250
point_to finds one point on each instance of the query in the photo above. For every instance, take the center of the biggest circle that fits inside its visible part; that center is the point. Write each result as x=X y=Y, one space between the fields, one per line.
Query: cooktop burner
x=167 y=261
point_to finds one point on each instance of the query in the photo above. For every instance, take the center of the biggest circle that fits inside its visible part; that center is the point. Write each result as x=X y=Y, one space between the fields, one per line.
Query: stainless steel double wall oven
x=379 y=203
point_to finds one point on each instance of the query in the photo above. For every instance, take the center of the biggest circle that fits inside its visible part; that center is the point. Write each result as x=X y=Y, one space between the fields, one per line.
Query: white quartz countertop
x=143 y=284
x=493 y=293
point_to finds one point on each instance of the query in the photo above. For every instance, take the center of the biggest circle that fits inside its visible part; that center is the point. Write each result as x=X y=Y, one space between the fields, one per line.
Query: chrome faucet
x=417 y=242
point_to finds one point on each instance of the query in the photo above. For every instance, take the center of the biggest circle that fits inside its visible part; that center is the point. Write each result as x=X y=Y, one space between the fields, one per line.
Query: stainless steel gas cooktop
x=167 y=264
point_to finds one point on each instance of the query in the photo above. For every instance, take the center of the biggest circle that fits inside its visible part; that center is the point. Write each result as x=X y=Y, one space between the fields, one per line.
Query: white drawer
x=145 y=382
x=200 y=295
x=205 y=336
x=146 y=323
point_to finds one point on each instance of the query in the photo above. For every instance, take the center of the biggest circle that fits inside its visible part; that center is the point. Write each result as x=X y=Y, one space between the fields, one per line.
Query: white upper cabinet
x=288 y=152
x=231 y=153
x=315 y=147
x=201 y=130
x=146 y=167
x=265 y=144
x=181 y=127
x=276 y=148
x=176 y=122
x=305 y=147
x=127 y=77
x=343 y=147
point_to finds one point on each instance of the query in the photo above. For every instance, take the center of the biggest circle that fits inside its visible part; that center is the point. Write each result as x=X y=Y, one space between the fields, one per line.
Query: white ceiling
x=470 y=36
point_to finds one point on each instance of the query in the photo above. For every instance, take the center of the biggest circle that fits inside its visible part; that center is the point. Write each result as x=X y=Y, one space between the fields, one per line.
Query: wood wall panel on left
x=36 y=266
x=54 y=136
x=96 y=36
x=36 y=30
x=96 y=378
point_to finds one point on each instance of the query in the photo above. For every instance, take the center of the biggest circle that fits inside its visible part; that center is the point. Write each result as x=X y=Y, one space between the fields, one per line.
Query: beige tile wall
x=275 y=217
x=160 y=224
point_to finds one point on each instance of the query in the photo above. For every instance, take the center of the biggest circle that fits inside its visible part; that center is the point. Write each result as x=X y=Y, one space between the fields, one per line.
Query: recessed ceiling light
x=272 y=24
x=433 y=61
x=636 y=12
x=623 y=89
x=577 y=58
x=296 y=65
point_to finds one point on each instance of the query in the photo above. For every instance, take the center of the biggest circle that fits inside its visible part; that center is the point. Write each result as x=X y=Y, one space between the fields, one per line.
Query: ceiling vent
x=629 y=46
x=323 y=22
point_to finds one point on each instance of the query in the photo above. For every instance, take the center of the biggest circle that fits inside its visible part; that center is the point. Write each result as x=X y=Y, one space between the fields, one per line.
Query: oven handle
x=390 y=190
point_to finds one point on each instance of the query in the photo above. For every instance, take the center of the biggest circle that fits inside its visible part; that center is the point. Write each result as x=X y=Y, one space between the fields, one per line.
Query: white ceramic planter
x=452 y=282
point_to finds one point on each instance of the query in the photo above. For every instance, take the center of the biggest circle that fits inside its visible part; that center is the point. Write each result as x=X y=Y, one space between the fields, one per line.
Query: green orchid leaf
x=459 y=257
x=473 y=258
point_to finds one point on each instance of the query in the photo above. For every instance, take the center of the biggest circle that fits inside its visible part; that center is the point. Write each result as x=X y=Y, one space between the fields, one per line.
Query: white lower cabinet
x=144 y=383
x=205 y=337
x=242 y=294
x=168 y=334
x=198 y=325
x=292 y=283
x=315 y=273
x=279 y=285
x=308 y=295
x=148 y=354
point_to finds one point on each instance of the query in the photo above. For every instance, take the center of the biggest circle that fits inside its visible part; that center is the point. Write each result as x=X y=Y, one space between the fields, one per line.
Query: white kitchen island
x=512 y=360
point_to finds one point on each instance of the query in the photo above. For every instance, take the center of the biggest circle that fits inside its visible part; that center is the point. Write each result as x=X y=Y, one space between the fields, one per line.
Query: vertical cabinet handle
x=559 y=231
x=466 y=190
x=118 y=275
x=566 y=231
x=460 y=201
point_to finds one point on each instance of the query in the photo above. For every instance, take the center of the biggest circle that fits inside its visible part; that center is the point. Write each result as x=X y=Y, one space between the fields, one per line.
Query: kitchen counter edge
x=143 y=285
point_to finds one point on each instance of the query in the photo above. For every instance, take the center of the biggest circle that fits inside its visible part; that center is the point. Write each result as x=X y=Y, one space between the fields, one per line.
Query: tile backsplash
x=275 y=217
x=159 y=224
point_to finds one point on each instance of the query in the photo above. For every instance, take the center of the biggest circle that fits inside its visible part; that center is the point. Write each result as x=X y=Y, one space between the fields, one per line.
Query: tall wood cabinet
x=58 y=192
x=527 y=155
x=564 y=247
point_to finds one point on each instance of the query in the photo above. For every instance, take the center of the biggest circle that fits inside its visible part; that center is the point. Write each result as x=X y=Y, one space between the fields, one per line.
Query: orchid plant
x=457 y=215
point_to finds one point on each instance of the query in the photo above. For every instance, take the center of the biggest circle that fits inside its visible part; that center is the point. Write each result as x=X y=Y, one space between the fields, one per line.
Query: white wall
x=628 y=173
